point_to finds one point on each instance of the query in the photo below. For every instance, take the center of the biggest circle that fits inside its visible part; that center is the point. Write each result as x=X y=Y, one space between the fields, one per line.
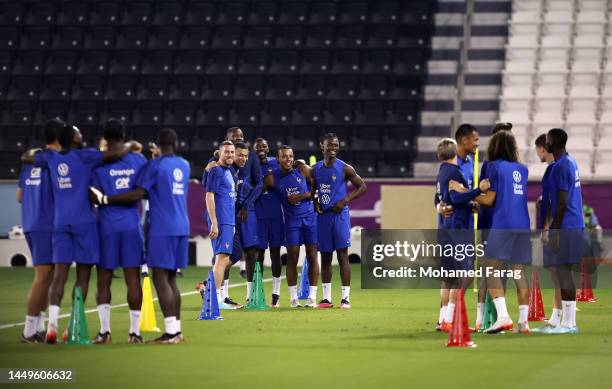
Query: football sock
x=523 y=313
x=555 y=317
x=30 y=326
x=170 y=323
x=276 y=285
x=312 y=292
x=242 y=265
x=293 y=292
x=449 y=312
x=346 y=292
x=104 y=315
x=500 y=306
x=134 y=322
x=41 y=322
x=479 y=313
x=327 y=291
x=441 y=317
x=249 y=286
x=220 y=296
x=226 y=288
x=178 y=326
x=53 y=316
x=569 y=313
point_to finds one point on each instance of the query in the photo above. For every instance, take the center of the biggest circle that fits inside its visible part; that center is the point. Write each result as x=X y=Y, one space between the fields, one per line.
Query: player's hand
x=214 y=231
x=154 y=149
x=243 y=215
x=294 y=199
x=475 y=206
x=484 y=185
x=456 y=186
x=339 y=206
x=136 y=147
x=317 y=208
x=446 y=210
x=211 y=165
x=97 y=197
x=544 y=237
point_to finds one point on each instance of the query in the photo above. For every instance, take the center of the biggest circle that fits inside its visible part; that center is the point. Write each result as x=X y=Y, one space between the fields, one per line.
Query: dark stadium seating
x=283 y=69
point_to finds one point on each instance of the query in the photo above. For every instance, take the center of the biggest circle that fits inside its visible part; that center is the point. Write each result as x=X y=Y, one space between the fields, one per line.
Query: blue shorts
x=458 y=240
x=41 y=247
x=248 y=231
x=571 y=248
x=121 y=249
x=76 y=243
x=334 y=231
x=513 y=246
x=271 y=232
x=224 y=242
x=301 y=230
x=168 y=252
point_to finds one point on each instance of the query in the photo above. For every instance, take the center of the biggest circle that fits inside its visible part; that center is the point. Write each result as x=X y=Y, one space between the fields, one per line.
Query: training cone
x=585 y=293
x=148 y=323
x=536 y=306
x=210 y=304
x=77 y=328
x=304 y=286
x=258 y=299
x=459 y=335
x=490 y=313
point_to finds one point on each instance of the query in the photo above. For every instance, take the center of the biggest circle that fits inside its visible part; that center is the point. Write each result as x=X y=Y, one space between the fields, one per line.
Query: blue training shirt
x=268 y=205
x=467 y=169
x=166 y=180
x=71 y=176
x=564 y=177
x=37 y=198
x=330 y=183
x=290 y=183
x=546 y=184
x=220 y=181
x=509 y=182
x=117 y=178
x=462 y=210
x=485 y=215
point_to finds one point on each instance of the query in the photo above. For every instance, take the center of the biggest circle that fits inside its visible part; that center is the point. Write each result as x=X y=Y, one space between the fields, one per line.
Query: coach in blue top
x=331 y=176
x=296 y=187
x=270 y=223
x=35 y=194
x=121 y=235
x=566 y=229
x=165 y=181
x=75 y=234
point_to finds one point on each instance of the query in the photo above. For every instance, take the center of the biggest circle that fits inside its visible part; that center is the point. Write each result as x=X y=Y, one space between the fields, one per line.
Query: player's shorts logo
x=35 y=173
x=63 y=169
x=325 y=199
x=516 y=175
x=178 y=175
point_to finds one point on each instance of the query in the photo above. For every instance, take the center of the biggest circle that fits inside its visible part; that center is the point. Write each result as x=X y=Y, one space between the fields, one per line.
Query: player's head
x=446 y=149
x=227 y=153
x=167 y=139
x=261 y=148
x=285 y=157
x=69 y=137
x=241 y=154
x=234 y=134
x=556 y=139
x=501 y=127
x=330 y=145
x=467 y=138
x=503 y=146
x=51 y=130
x=114 y=132
x=540 y=144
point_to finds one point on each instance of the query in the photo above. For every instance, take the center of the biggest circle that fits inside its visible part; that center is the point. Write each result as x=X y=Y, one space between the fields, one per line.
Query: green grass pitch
x=386 y=340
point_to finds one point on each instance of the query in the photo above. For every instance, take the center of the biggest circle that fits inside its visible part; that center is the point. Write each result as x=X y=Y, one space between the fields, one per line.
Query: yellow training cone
x=147 y=311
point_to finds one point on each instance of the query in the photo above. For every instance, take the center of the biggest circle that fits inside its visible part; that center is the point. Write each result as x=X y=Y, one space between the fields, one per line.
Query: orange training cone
x=536 y=306
x=459 y=335
x=585 y=293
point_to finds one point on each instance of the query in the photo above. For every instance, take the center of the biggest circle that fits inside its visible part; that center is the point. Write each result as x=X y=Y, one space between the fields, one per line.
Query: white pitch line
x=12 y=325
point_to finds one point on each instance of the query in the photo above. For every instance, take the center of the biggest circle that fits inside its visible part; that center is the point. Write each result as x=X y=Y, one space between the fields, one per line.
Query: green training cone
x=490 y=313
x=77 y=328
x=258 y=299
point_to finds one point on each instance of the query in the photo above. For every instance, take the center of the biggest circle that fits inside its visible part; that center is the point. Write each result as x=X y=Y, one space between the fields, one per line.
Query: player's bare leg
x=293 y=253
x=226 y=301
x=444 y=298
x=522 y=294
x=177 y=298
x=250 y=257
x=313 y=275
x=134 y=300
x=38 y=296
x=496 y=289
x=103 y=300
x=163 y=279
x=56 y=293
x=568 y=301
x=277 y=267
x=345 y=277
x=482 y=297
x=326 y=279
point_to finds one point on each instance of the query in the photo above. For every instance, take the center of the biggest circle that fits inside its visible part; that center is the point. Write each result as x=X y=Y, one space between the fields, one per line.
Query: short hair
x=464 y=130
x=114 y=130
x=558 y=138
x=541 y=141
x=66 y=136
x=226 y=143
x=260 y=139
x=501 y=127
x=231 y=130
x=284 y=147
x=51 y=130
x=502 y=146
x=241 y=145
x=446 y=149
x=328 y=136
x=167 y=136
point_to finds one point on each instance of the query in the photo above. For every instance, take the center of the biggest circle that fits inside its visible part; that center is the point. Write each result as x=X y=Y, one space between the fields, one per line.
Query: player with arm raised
x=296 y=187
x=331 y=176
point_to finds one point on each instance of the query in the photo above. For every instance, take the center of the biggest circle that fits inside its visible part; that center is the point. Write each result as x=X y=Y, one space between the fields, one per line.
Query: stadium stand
x=287 y=70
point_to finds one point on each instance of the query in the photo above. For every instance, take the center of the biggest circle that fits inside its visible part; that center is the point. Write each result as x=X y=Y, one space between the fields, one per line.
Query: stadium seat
x=189 y=63
x=105 y=13
x=11 y=13
x=100 y=38
x=168 y=13
x=265 y=12
x=185 y=87
x=125 y=62
x=200 y=13
x=56 y=88
x=137 y=13
x=41 y=13
x=158 y=62
x=62 y=62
